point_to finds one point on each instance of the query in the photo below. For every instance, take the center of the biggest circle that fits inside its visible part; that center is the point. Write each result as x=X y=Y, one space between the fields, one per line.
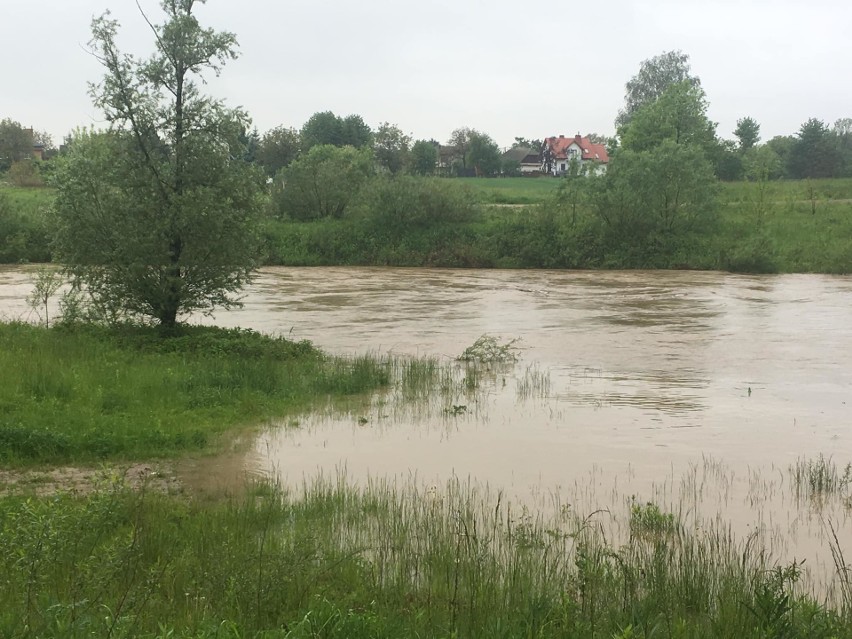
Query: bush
x=23 y=236
x=322 y=183
x=404 y=203
x=25 y=173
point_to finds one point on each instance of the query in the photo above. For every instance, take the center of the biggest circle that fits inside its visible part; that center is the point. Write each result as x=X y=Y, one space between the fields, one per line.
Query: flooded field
x=711 y=395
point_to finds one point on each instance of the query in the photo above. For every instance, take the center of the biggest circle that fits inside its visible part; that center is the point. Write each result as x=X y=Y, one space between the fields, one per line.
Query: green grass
x=785 y=191
x=511 y=190
x=85 y=393
x=383 y=561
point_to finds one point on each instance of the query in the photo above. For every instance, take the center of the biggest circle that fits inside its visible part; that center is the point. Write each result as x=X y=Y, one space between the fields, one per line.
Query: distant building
x=559 y=151
x=528 y=160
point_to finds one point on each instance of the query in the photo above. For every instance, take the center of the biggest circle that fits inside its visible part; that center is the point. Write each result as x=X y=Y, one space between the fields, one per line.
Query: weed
x=488 y=349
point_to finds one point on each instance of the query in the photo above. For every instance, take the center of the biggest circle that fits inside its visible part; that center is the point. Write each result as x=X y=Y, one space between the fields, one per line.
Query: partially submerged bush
x=487 y=349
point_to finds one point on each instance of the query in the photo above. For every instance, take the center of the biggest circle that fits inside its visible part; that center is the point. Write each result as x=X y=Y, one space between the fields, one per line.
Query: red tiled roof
x=591 y=151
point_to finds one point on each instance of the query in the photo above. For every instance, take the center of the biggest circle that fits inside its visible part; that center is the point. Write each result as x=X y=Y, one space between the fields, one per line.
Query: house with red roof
x=559 y=151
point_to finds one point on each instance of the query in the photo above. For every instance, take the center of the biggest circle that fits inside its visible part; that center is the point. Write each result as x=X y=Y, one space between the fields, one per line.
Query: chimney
x=561 y=136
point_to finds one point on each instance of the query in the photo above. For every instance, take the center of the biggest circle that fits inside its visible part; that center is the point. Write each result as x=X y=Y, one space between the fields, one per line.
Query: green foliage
x=748 y=133
x=814 y=153
x=24 y=228
x=391 y=147
x=277 y=149
x=83 y=393
x=650 y=201
x=46 y=283
x=483 y=154
x=158 y=215
x=488 y=349
x=656 y=75
x=25 y=173
x=729 y=161
x=16 y=143
x=404 y=204
x=678 y=115
x=649 y=522
x=322 y=183
x=424 y=158
x=325 y=128
x=784 y=148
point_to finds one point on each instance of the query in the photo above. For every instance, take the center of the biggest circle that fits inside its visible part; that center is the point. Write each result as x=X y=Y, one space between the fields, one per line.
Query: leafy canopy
x=655 y=76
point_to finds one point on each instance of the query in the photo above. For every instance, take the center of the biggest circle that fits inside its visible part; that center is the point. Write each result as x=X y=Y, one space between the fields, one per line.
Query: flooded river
x=631 y=386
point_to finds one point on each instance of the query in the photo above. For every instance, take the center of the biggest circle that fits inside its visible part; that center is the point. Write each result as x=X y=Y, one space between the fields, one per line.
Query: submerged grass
x=815 y=478
x=382 y=561
x=81 y=394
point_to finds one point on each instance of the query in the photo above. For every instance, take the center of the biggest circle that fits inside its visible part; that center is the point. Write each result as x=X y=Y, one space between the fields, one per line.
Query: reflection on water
x=647 y=374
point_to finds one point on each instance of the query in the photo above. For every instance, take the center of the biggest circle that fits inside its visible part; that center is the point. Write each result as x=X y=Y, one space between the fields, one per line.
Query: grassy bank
x=787 y=227
x=335 y=561
x=83 y=394
x=789 y=238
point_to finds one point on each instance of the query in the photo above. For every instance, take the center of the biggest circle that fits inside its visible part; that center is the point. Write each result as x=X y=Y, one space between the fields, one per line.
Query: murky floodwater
x=650 y=378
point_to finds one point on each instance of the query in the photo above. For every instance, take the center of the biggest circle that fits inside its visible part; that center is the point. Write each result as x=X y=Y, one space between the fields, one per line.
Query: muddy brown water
x=696 y=390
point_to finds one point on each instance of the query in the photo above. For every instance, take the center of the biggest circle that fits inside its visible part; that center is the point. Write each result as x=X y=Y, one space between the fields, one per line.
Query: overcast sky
x=506 y=67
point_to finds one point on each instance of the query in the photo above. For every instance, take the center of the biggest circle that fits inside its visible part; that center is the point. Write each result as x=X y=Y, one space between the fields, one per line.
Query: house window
x=562 y=166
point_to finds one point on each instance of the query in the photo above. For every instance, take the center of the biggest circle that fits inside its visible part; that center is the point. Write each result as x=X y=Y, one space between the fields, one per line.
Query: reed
x=384 y=560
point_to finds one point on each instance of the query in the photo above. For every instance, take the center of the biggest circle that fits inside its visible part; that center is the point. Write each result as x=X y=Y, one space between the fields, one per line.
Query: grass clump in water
x=814 y=478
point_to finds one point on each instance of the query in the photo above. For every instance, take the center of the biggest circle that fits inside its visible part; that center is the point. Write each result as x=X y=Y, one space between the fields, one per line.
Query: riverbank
x=139 y=554
x=86 y=394
x=776 y=227
x=339 y=562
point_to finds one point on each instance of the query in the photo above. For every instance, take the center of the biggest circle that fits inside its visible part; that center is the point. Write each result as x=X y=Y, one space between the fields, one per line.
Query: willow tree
x=156 y=216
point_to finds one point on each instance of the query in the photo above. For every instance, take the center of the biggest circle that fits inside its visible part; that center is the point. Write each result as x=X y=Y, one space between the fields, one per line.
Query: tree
x=278 y=148
x=783 y=146
x=660 y=185
x=814 y=153
x=356 y=132
x=322 y=128
x=16 y=143
x=666 y=191
x=842 y=132
x=460 y=142
x=156 y=216
x=747 y=132
x=679 y=115
x=391 y=147
x=534 y=144
x=728 y=160
x=326 y=128
x=655 y=76
x=424 y=157
x=483 y=154
x=323 y=182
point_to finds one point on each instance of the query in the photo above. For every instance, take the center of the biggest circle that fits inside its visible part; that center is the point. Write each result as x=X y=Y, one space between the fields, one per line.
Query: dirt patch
x=157 y=476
